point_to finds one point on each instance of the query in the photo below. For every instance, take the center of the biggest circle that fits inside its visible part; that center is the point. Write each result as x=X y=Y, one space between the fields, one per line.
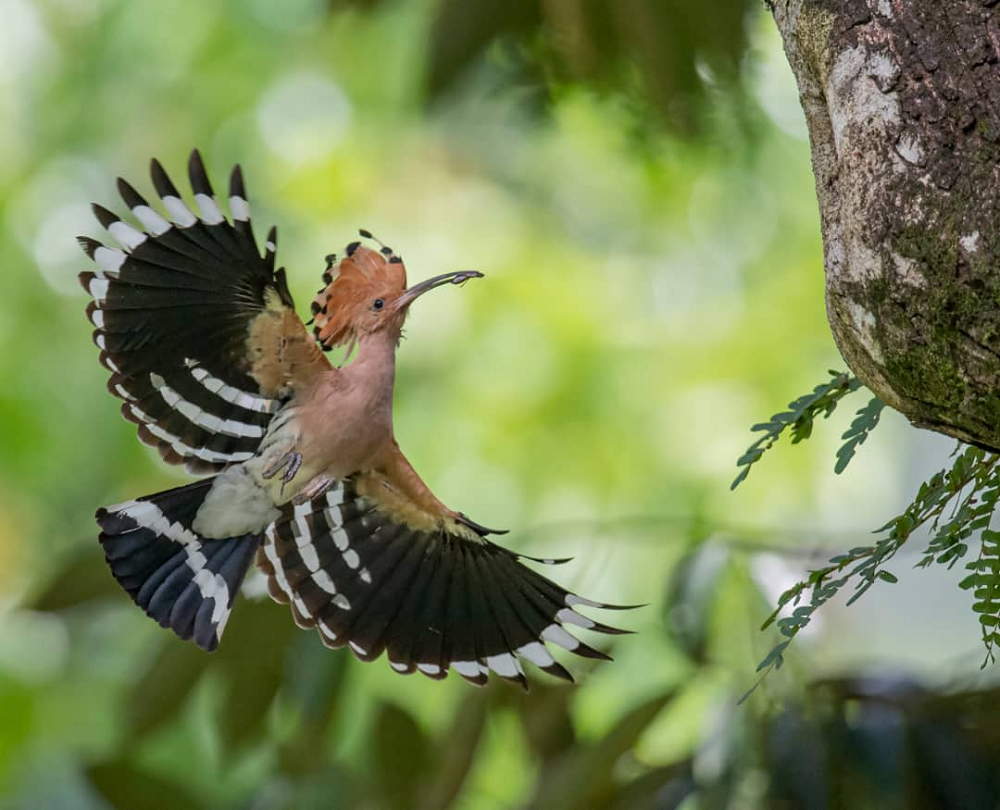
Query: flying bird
x=305 y=476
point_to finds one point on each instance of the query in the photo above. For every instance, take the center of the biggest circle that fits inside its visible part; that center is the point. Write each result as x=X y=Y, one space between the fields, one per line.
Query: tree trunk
x=902 y=99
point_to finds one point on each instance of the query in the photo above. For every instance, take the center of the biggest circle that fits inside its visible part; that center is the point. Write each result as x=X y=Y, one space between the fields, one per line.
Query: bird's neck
x=374 y=367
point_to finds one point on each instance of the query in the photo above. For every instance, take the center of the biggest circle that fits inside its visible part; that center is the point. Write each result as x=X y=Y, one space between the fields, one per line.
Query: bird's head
x=366 y=293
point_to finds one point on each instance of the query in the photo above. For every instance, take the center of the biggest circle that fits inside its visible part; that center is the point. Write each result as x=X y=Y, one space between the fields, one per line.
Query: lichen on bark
x=902 y=100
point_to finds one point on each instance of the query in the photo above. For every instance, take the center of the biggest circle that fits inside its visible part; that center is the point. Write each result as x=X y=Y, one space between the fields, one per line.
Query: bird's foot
x=290 y=462
x=316 y=487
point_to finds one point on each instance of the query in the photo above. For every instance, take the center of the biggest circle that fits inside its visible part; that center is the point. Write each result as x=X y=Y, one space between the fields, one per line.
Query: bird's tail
x=182 y=580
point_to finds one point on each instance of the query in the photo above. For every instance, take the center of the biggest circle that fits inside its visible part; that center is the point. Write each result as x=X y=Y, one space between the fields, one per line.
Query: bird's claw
x=316 y=487
x=293 y=467
x=291 y=462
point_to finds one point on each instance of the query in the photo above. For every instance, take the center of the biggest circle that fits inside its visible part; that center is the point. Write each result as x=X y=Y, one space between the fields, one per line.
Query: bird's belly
x=235 y=505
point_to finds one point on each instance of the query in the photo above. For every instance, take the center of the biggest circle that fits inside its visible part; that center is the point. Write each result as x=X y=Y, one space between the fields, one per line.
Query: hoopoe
x=211 y=361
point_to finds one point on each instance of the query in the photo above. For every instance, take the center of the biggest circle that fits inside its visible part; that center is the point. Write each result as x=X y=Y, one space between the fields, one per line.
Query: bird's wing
x=376 y=572
x=197 y=328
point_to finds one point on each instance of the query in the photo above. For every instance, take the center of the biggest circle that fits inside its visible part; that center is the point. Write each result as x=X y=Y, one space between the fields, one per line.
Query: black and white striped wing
x=173 y=306
x=433 y=600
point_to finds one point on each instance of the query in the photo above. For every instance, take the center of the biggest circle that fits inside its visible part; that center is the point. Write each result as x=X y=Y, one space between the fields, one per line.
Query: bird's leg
x=316 y=487
x=290 y=461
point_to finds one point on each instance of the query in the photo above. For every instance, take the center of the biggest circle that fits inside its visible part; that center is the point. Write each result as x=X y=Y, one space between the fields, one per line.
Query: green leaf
x=953 y=504
x=864 y=423
x=251 y=660
x=968 y=583
x=799 y=418
x=158 y=695
x=585 y=777
x=457 y=747
x=83 y=577
x=124 y=787
x=773 y=657
x=402 y=756
x=313 y=681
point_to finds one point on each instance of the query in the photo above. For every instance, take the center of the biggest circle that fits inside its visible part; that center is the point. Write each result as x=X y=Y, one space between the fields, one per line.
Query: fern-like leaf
x=864 y=423
x=956 y=503
x=798 y=419
x=984 y=582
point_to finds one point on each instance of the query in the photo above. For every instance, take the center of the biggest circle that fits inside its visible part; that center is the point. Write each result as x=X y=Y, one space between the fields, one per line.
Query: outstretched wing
x=433 y=597
x=197 y=328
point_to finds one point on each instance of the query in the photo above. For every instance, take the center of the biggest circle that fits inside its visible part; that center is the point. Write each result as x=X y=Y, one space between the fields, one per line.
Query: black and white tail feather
x=431 y=600
x=183 y=581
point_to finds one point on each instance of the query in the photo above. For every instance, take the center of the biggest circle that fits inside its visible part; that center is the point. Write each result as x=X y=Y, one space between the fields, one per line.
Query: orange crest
x=343 y=309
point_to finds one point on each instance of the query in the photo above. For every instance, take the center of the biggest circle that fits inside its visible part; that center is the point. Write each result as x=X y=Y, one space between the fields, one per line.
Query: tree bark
x=902 y=100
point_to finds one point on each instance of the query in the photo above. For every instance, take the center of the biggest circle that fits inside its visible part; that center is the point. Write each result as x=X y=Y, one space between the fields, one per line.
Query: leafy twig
x=974 y=468
x=799 y=417
x=955 y=504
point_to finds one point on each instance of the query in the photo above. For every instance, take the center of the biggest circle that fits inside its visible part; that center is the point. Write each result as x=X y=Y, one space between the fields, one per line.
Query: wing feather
x=194 y=322
x=432 y=599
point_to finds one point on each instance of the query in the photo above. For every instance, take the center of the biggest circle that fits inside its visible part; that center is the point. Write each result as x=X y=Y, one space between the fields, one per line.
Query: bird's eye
x=378 y=303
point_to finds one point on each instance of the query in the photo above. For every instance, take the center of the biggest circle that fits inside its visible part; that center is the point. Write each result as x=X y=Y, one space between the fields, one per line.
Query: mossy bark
x=902 y=99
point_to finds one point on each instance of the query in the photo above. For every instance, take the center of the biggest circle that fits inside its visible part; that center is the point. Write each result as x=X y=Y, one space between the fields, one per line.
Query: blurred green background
x=634 y=180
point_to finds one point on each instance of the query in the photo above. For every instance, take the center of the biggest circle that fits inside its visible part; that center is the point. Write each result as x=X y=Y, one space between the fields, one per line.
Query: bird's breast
x=347 y=434
x=341 y=431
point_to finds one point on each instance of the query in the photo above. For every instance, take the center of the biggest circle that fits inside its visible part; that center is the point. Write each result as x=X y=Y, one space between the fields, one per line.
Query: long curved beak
x=414 y=292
